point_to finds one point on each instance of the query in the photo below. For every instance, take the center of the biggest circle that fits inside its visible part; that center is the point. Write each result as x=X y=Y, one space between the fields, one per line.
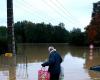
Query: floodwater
x=26 y=64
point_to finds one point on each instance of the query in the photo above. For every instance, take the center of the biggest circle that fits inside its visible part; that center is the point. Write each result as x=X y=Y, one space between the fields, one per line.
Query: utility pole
x=10 y=28
x=11 y=39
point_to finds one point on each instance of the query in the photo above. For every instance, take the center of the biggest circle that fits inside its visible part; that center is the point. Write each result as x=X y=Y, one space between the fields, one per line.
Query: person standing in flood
x=54 y=63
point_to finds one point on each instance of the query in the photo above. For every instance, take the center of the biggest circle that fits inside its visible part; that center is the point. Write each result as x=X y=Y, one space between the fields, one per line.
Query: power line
x=50 y=7
x=29 y=6
x=55 y=10
x=67 y=11
x=64 y=12
x=50 y=17
x=27 y=11
x=59 y=13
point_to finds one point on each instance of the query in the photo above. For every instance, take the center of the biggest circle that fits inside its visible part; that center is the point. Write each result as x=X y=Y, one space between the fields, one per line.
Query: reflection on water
x=73 y=68
x=25 y=66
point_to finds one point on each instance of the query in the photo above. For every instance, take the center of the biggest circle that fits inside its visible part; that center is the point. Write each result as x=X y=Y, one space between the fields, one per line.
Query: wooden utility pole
x=11 y=39
x=10 y=28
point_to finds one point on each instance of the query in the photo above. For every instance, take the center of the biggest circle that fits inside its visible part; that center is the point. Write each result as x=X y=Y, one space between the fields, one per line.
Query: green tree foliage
x=28 y=32
x=77 y=37
x=3 y=39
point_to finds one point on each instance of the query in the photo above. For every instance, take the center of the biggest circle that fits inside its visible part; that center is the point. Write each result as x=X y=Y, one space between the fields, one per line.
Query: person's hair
x=51 y=48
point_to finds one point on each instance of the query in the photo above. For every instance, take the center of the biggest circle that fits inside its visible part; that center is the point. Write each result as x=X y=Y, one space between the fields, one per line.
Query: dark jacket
x=53 y=62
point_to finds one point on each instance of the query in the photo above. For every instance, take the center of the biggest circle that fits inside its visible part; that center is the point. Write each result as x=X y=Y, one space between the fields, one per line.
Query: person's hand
x=42 y=65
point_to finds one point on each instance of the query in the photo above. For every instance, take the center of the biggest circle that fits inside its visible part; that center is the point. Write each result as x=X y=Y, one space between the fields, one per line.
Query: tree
x=3 y=39
x=77 y=37
x=28 y=32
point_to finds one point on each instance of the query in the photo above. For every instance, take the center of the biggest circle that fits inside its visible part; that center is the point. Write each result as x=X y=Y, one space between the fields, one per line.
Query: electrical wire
x=63 y=10
x=50 y=18
x=68 y=12
x=27 y=11
x=55 y=8
x=28 y=8
x=55 y=5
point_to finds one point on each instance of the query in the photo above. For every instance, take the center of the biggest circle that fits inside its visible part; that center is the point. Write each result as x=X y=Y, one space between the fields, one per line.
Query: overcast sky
x=73 y=13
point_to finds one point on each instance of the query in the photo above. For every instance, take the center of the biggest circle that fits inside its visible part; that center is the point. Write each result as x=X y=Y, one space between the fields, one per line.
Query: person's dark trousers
x=54 y=76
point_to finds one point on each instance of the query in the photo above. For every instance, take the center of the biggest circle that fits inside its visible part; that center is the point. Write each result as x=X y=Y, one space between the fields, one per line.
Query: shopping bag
x=43 y=74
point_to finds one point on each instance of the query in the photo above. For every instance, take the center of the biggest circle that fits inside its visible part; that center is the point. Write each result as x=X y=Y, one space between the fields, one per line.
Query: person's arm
x=50 y=61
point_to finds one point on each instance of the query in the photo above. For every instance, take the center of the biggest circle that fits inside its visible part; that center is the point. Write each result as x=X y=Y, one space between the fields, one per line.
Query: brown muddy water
x=27 y=62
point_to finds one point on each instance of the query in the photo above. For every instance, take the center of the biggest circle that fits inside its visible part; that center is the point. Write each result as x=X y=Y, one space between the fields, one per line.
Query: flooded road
x=25 y=66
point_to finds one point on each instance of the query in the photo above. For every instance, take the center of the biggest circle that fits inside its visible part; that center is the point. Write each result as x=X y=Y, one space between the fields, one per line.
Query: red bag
x=43 y=74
